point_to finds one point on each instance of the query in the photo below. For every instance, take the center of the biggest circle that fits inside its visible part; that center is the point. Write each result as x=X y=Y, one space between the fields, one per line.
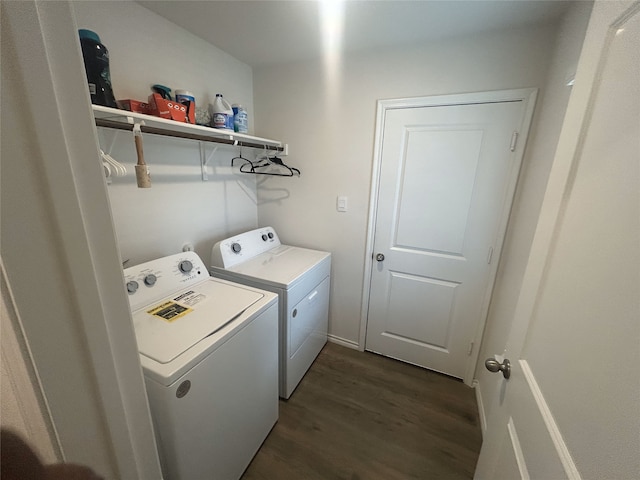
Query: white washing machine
x=209 y=353
x=299 y=276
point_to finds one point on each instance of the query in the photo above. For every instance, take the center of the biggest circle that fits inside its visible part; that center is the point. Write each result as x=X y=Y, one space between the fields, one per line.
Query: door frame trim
x=526 y=95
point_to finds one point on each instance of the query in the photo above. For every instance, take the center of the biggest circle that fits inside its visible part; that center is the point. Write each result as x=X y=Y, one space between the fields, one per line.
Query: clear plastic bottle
x=240 y=119
x=221 y=114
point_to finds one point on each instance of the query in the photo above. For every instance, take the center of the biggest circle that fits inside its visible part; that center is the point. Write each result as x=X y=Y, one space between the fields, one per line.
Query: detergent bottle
x=221 y=114
x=96 y=64
x=240 y=119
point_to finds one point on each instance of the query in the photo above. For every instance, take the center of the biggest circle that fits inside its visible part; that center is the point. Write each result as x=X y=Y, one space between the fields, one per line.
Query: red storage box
x=134 y=106
x=171 y=109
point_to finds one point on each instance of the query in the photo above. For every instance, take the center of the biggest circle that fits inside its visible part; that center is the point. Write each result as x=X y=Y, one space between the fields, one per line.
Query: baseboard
x=343 y=341
x=481 y=410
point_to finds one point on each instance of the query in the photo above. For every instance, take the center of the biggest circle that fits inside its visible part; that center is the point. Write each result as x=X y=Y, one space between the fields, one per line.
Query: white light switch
x=342 y=204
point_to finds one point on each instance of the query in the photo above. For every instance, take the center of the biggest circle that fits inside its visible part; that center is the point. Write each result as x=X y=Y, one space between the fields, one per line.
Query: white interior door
x=571 y=408
x=447 y=176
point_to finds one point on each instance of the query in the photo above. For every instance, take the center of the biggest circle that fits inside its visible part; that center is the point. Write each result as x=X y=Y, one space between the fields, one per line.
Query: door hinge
x=470 y=348
x=489 y=255
x=514 y=141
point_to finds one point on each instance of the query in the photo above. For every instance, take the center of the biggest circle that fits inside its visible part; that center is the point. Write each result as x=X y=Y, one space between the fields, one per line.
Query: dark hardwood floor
x=361 y=416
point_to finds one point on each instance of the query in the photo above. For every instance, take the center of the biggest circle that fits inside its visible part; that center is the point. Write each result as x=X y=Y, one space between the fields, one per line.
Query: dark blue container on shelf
x=96 y=65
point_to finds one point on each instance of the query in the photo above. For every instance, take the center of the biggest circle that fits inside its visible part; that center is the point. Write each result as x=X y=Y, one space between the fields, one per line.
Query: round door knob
x=379 y=257
x=494 y=366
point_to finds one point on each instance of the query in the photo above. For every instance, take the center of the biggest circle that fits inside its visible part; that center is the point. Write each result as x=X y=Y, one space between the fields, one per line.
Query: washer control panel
x=234 y=250
x=150 y=281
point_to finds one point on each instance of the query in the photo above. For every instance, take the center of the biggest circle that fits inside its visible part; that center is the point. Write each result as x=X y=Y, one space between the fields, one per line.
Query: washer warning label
x=170 y=311
x=190 y=298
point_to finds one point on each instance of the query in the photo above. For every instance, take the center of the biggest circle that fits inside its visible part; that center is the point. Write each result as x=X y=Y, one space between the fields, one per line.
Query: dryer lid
x=169 y=327
x=281 y=266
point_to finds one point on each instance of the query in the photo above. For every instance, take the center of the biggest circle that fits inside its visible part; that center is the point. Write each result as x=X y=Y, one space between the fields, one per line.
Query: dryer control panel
x=150 y=281
x=234 y=250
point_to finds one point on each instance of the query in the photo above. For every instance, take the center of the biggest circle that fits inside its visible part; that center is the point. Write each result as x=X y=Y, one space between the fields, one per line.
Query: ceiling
x=271 y=32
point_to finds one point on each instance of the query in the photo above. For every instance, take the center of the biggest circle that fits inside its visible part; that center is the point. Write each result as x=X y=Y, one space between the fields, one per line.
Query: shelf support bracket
x=205 y=159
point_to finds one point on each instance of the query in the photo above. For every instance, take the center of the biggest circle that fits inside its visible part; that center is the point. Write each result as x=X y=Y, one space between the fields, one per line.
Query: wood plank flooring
x=361 y=416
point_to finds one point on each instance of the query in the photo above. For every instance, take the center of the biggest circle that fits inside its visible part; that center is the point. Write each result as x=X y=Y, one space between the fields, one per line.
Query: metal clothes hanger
x=264 y=161
x=240 y=157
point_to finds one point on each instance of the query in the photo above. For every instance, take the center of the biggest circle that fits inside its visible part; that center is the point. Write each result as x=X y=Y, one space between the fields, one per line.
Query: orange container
x=134 y=106
x=171 y=110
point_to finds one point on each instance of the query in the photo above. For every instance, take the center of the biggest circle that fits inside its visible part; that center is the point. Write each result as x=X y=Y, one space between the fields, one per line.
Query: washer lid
x=281 y=266
x=169 y=327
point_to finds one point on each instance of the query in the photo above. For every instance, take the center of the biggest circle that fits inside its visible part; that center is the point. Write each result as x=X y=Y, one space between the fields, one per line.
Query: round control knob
x=185 y=266
x=132 y=286
x=235 y=247
x=150 y=280
x=264 y=237
x=270 y=235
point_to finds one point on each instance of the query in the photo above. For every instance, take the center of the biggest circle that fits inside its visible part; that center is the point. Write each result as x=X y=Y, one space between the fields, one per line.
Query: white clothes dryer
x=299 y=276
x=209 y=354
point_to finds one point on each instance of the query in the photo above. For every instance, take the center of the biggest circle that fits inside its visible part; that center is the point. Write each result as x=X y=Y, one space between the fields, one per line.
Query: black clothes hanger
x=240 y=157
x=257 y=167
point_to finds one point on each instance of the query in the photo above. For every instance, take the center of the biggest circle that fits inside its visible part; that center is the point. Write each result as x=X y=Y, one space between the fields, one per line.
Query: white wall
x=331 y=133
x=531 y=188
x=59 y=250
x=144 y=49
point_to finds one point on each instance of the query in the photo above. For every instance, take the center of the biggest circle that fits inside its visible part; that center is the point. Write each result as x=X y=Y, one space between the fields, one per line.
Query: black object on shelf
x=96 y=65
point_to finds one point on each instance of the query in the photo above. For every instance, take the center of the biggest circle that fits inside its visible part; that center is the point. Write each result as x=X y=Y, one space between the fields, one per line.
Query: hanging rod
x=103 y=122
